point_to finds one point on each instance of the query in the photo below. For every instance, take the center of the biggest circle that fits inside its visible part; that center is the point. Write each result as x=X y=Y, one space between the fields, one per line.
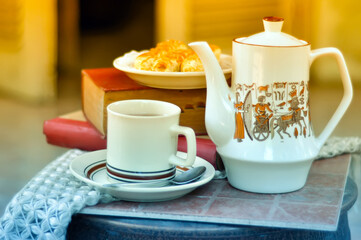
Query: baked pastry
x=171 y=56
x=144 y=61
x=171 y=45
x=192 y=63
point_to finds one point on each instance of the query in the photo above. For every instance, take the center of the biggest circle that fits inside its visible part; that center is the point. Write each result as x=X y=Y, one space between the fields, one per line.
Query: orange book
x=103 y=86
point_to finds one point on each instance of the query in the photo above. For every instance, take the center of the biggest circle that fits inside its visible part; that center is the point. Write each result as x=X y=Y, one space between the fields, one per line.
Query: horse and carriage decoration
x=266 y=111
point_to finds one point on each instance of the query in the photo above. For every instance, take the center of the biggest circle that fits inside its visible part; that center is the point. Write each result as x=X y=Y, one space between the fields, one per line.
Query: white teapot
x=261 y=125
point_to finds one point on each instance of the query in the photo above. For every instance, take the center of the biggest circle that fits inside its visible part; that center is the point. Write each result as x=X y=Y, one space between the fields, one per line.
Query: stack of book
x=86 y=129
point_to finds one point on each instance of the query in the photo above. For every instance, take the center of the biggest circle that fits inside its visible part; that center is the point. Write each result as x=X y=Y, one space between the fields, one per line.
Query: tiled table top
x=316 y=206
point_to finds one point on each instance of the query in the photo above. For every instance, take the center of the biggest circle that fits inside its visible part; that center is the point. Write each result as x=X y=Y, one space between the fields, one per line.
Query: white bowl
x=267 y=176
x=168 y=80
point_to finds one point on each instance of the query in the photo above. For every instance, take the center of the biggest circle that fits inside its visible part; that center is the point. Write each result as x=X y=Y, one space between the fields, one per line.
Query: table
x=85 y=226
x=43 y=209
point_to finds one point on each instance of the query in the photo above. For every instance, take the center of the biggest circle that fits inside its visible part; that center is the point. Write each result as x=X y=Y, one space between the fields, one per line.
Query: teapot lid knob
x=273 y=24
x=272 y=36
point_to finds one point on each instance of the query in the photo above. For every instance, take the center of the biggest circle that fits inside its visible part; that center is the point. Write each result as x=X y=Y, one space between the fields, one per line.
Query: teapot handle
x=347 y=96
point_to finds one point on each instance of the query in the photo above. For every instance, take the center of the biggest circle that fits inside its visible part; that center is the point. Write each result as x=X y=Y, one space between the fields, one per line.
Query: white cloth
x=43 y=208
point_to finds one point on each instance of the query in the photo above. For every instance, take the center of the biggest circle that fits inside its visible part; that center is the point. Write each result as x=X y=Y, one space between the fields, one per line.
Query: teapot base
x=267 y=177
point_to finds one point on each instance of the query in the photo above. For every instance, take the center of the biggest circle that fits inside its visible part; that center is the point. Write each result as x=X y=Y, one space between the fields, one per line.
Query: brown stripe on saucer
x=95 y=168
x=132 y=177
x=183 y=169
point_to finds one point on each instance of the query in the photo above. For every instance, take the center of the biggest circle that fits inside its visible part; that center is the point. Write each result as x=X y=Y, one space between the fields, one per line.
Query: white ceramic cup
x=142 y=141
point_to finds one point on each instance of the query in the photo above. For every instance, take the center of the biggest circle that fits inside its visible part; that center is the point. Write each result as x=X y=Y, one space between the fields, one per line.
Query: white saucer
x=90 y=168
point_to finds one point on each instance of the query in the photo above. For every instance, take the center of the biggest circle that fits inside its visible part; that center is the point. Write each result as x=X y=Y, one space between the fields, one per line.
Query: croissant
x=192 y=63
x=171 y=56
x=171 y=45
x=144 y=61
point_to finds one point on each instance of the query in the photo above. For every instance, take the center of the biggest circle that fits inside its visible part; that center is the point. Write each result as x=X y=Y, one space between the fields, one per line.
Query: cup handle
x=347 y=96
x=191 y=146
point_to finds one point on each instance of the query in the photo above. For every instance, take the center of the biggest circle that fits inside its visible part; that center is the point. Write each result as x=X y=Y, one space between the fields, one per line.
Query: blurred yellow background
x=44 y=44
x=43 y=40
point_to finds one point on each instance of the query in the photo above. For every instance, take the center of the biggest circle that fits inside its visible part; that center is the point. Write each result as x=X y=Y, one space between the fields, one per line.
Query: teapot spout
x=219 y=117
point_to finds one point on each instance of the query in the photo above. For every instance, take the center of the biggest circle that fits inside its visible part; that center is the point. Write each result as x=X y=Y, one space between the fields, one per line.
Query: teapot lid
x=272 y=36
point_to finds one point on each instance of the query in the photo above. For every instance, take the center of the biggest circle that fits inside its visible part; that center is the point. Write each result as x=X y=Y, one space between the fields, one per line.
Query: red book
x=74 y=131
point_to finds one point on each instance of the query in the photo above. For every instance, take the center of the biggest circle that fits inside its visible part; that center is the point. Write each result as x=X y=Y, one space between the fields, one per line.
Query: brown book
x=103 y=86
